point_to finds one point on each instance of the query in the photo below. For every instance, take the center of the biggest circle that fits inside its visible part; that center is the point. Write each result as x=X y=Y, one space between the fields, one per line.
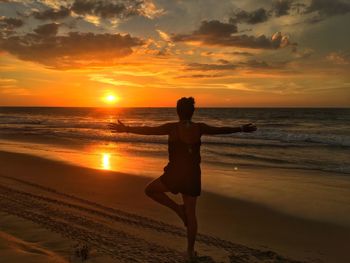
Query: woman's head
x=185 y=108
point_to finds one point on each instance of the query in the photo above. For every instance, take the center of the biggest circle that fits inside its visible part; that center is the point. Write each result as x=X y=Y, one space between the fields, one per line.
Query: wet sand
x=48 y=207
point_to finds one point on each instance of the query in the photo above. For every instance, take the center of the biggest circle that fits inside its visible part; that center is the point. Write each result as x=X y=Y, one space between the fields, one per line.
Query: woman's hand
x=248 y=128
x=118 y=127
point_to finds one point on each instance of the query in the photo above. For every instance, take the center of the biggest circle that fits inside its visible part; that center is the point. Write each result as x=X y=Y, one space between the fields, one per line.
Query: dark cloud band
x=261 y=15
x=8 y=25
x=69 y=51
x=106 y=9
x=326 y=8
x=52 y=14
x=222 y=34
x=100 y=8
x=258 y=16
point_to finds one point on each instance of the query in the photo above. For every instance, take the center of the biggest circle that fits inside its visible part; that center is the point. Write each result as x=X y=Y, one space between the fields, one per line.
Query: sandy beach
x=49 y=207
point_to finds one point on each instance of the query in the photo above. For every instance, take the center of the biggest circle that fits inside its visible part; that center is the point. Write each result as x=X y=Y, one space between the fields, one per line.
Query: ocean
x=296 y=138
x=297 y=162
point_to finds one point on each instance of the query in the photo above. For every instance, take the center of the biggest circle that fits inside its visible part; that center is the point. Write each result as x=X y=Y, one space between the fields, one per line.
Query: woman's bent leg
x=157 y=191
x=190 y=208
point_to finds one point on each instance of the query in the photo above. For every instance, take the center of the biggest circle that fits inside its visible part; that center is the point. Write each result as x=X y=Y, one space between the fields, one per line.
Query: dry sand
x=48 y=207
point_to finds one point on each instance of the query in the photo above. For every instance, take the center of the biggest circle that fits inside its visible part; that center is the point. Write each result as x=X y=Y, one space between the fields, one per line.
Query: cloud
x=259 y=64
x=7 y=83
x=225 y=65
x=215 y=28
x=150 y=10
x=223 y=61
x=234 y=53
x=200 y=76
x=47 y=30
x=339 y=58
x=303 y=53
x=164 y=52
x=241 y=53
x=115 y=9
x=164 y=35
x=325 y=9
x=279 y=40
x=328 y=8
x=255 y=64
x=69 y=51
x=281 y=7
x=11 y=22
x=321 y=8
x=52 y=14
x=257 y=16
x=111 y=81
x=101 y=9
x=8 y=25
x=208 y=32
x=261 y=15
x=210 y=67
x=216 y=33
x=10 y=87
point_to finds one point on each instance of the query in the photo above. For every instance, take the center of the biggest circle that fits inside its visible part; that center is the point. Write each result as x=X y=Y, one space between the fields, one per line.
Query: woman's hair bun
x=191 y=100
x=185 y=108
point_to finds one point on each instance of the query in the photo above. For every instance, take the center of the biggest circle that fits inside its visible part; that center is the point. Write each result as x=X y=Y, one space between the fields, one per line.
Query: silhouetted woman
x=182 y=174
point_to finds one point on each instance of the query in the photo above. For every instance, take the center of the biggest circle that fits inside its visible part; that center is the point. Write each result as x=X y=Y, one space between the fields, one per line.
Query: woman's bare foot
x=182 y=214
x=190 y=256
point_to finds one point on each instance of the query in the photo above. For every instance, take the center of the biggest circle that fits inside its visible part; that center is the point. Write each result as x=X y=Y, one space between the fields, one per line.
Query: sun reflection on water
x=105 y=161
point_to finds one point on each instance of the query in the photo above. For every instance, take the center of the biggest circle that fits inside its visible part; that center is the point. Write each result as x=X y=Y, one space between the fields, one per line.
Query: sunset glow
x=111 y=99
x=155 y=52
x=118 y=117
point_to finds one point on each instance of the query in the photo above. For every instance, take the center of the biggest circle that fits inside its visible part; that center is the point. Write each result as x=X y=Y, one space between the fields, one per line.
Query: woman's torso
x=184 y=144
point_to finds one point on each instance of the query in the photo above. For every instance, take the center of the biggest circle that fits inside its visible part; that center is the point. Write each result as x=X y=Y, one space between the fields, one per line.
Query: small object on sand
x=82 y=251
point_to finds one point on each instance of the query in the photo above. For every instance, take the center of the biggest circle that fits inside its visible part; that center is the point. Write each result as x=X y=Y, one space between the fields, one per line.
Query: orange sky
x=54 y=54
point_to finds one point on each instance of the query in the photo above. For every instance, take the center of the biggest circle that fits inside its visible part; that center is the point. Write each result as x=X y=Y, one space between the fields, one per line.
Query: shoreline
x=311 y=194
x=235 y=220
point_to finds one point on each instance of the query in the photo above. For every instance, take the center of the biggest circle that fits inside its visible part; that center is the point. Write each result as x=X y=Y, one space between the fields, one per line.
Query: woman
x=182 y=174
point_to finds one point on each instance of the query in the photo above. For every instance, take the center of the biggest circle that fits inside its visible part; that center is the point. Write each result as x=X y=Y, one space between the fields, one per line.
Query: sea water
x=317 y=139
x=311 y=144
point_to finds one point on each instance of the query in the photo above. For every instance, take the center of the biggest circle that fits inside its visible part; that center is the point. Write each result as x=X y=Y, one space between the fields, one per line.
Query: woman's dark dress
x=183 y=173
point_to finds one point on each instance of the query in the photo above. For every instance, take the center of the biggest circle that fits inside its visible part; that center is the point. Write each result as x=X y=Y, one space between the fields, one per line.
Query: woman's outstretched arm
x=211 y=130
x=143 y=130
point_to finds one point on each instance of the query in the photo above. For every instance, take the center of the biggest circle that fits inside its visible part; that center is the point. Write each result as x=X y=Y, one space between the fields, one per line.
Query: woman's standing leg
x=190 y=209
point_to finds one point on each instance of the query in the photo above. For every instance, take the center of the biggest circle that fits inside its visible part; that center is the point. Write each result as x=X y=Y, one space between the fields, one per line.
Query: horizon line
x=169 y=107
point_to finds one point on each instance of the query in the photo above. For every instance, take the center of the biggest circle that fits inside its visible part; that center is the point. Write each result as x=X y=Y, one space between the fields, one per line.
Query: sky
x=149 y=53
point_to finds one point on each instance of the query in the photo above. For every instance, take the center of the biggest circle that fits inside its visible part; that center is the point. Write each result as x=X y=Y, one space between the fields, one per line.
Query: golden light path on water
x=104 y=157
x=105 y=161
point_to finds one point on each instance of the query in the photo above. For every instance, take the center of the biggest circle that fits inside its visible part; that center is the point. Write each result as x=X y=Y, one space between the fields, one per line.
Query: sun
x=110 y=99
